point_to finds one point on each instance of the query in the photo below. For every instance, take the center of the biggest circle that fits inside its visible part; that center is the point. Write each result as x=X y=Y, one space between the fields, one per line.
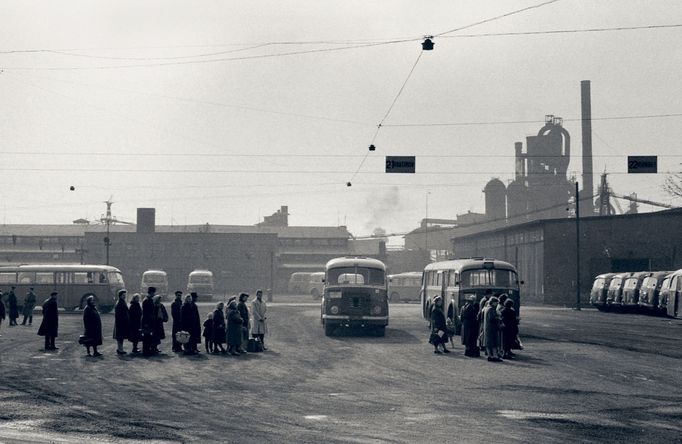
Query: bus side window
x=44 y=278
x=63 y=277
x=8 y=278
x=102 y=278
x=80 y=277
x=26 y=277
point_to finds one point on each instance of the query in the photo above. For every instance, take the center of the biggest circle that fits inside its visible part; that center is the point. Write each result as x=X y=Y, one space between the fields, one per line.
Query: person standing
x=29 y=305
x=219 y=329
x=187 y=319
x=259 y=310
x=470 y=330
x=149 y=311
x=135 y=313
x=491 y=324
x=49 y=326
x=121 y=322
x=510 y=328
x=208 y=333
x=246 y=326
x=195 y=326
x=2 y=309
x=161 y=317
x=234 y=328
x=12 y=307
x=438 y=326
x=93 y=327
x=176 y=308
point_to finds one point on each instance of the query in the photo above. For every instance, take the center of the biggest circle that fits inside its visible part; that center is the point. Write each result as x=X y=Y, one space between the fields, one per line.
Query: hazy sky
x=222 y=111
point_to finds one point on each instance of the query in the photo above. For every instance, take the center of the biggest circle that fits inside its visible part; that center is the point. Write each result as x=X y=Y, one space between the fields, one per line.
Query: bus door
x=451 y=291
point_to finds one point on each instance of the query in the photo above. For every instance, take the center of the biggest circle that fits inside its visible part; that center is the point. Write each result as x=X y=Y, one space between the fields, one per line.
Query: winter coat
x=161 y=317
x=12 y=305
x=191 y=323
x=2 y=310
x=176 y=308
x=50 y=323
x=149 y=314
x=135 y=316
x=438 y=320
x=258 y=310
x=234 y=328
x=470 y=330
x=244 y=313
x=93 y=325
x=208 y=329
x=511 y=327
x=29 y=303
x=219 y=327
x=491 y=325
x=121 y=321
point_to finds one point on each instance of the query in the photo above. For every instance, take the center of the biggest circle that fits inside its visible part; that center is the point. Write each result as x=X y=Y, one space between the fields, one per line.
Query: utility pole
x=577 y=247
x=107 y=238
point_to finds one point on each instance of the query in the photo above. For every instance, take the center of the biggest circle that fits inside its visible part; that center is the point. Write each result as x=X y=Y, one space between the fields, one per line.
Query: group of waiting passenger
x=491 y=325
x=12 y=310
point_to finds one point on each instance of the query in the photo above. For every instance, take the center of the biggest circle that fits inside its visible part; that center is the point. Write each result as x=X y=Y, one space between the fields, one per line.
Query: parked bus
x=355 y=295
x=650 y=290
x=631 y=288
x=201 y=282
x=600 y=288
x=157 y=279
x=298 y=282
x=404 y=287
x=315 y=286
x=73 y=282
x=614 y=296
x=454 y=280
x=674 y=295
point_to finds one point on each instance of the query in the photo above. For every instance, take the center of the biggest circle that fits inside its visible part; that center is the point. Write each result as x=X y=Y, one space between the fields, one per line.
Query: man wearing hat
x=176 y=309
x=149 y=315
x=50 y=323
x=259 y=309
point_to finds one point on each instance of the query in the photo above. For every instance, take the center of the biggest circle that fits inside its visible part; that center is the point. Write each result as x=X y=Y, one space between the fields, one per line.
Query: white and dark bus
x=456 y=279
x=74 y=283
x=355 y=295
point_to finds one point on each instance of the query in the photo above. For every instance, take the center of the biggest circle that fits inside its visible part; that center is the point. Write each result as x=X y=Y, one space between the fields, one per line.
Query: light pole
x=577 y=247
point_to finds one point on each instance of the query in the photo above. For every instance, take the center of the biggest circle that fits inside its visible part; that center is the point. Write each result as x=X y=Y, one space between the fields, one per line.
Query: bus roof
x=351 y=261
x=154 y=272
x=407 y=274
x=200 y=272
x=59 y=267
x=469 y=264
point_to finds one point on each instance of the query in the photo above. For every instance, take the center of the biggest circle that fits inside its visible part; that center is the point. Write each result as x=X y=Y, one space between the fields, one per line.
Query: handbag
x=182 y=337
x=84 y=340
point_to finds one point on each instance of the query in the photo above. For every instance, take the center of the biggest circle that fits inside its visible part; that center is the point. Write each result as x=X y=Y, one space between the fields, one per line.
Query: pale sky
x=222 y=111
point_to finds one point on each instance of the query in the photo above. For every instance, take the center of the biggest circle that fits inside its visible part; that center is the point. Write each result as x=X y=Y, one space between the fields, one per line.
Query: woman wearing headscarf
x=244 y=313
x=479 y=318
x=161 y=317
x=187 y=320
x=438 y=326
x=470 y=328
x=219 y=329
x=135 y=313
x=93 y=327
x=510 y=328
x=121 y=322
x=234 y=328
x=491 y=324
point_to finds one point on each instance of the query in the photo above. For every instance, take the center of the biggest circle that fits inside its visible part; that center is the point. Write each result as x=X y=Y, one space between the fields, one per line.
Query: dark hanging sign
x=400 y=164
x=642 y=164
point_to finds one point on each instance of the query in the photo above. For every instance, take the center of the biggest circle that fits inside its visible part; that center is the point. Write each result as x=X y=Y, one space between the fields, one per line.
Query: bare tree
x=673 y=185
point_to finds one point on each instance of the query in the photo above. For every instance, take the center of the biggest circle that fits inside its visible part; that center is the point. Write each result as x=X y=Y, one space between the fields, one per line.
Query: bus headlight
x=376 y=310
x=334 y=309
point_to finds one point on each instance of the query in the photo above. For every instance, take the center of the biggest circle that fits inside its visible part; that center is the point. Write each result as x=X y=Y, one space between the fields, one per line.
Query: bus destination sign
x=642 y=164
x=400 y=164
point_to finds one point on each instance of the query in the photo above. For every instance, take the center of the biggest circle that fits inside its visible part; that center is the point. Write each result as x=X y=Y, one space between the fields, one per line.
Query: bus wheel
x=84 y=298
x=329 y=329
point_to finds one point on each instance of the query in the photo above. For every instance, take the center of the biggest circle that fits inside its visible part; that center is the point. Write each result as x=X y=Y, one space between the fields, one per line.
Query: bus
x=404 y=287
x=298 y=282
x=157 y=279
x=74 y=283
x=456 y=279
x=201 y=282
x=315 y=285
x=355 y=295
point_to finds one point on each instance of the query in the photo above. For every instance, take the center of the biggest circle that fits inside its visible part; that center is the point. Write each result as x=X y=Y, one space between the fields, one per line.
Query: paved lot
x=583 y=377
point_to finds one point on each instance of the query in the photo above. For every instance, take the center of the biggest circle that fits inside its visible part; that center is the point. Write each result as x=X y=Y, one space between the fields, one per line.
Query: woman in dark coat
x=12 y=307
x=121 y=322
x=187 y=321
x=491 y=327
x=161 y=317
x=2 y=309
x=219 y=329
x=510 y=328
x=135 y=313
x=49 y=326
x=93 y=327
x=438 y=326
x=234 y=329
x=470 y=330
x=208 y=333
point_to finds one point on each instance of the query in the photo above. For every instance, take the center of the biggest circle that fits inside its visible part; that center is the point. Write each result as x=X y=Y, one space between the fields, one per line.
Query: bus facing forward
x=355 y=295
x=455 y=280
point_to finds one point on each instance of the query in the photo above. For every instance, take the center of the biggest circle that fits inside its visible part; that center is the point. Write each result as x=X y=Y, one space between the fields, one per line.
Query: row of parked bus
x=657 y=292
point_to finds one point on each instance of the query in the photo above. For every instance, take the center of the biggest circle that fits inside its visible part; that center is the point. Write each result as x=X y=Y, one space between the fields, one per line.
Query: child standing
x=208 y=333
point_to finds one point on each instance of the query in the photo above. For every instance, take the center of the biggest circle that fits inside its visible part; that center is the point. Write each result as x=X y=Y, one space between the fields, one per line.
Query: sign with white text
x=400 y=164
x=642 y=164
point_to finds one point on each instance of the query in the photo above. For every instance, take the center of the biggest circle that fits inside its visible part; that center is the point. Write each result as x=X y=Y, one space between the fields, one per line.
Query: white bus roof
x=407 y=274
x=154 y=272
x=352 y=261
x=201 y=272
x=59 y=267
x=473 y=263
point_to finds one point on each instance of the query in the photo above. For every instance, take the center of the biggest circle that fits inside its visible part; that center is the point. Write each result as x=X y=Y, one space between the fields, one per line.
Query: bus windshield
x=488 y=278
x=201 y=279
x=356 y=275
x=115 y=278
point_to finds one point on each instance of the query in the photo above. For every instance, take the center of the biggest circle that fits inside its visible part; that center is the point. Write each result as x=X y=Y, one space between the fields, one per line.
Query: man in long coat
x=259 y=310
x=195 y=325
x=491 y=323
x=135 y=312
x=187 y=319
x=12 y=307
x=149 y=313
x=176 y=308
x=49 y=326
x=470 y=328
x=121 y=322
x=2 y=309
x=29 y=305
x=92 y=324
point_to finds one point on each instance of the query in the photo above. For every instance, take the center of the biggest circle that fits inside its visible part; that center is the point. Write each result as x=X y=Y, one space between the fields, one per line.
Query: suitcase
x=254 y=346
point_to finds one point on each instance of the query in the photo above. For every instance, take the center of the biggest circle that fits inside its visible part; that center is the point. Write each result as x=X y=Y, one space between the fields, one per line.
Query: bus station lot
x=584 y=376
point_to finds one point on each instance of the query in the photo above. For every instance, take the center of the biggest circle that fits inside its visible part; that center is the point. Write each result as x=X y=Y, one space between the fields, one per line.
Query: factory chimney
x=587 y=205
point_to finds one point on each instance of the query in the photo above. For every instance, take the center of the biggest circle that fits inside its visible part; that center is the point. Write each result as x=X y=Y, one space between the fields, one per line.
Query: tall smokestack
x=520 y=164
x=588 y=187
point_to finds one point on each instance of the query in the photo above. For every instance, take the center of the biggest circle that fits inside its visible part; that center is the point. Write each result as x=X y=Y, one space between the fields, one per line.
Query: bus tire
x=329 y=329
x=85 y=297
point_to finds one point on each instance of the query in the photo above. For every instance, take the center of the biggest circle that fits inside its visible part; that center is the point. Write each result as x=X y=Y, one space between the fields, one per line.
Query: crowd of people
x=226 y=329
x=490 y=325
